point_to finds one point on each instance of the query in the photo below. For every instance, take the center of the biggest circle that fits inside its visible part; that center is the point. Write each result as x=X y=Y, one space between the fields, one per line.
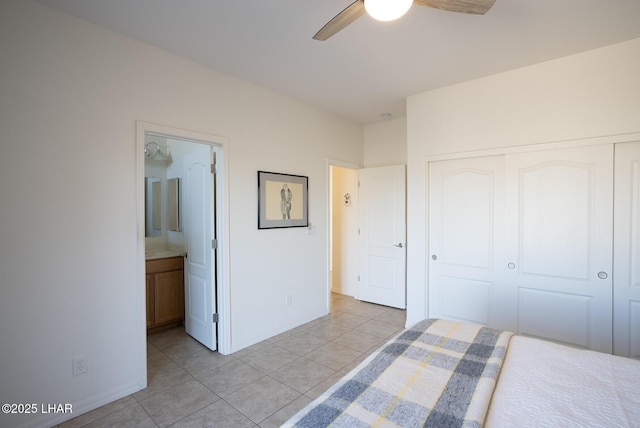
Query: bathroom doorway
x=192 y=226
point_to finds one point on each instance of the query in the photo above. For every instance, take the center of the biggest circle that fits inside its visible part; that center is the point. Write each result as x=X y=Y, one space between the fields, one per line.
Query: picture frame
x=283 y=200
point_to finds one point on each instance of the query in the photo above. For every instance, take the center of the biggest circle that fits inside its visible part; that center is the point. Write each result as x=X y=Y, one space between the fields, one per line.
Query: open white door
x=382 y=236
x=199 y=265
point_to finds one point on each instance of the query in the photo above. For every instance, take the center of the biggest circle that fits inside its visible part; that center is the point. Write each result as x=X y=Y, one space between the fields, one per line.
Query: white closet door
x=466 y=216
x=559 y=229
x=626 y=286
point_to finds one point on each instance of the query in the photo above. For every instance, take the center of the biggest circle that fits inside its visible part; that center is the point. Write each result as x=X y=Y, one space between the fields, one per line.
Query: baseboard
x=79 y=408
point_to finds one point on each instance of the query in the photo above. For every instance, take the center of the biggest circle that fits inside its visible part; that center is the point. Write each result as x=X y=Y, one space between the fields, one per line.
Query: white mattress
x=543 y=384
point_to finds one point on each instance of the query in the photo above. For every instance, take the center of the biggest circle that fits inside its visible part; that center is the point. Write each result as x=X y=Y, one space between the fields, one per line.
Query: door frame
x=222 y=231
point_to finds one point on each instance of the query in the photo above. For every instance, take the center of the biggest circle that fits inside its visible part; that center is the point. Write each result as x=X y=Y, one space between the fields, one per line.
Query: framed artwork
x=283 y=200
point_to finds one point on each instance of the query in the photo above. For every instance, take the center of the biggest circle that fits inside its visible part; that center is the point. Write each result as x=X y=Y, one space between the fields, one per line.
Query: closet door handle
x=399 y=245
x=511 y=265
x=602 y=275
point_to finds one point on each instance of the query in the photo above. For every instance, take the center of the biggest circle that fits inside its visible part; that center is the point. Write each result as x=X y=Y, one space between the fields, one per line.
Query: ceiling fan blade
x=350 y=13
x=476 y=7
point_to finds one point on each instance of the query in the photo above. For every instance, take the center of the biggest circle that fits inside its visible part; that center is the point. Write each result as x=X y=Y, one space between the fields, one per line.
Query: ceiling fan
x=388 y=10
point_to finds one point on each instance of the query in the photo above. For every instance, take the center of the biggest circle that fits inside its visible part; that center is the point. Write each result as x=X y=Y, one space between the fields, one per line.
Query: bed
x=441 y=373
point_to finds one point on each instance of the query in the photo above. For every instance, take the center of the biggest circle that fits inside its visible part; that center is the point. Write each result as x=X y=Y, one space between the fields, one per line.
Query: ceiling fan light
x=387 y=10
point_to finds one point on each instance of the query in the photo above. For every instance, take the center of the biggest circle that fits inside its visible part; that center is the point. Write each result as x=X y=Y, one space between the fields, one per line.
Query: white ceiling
x=369 y=68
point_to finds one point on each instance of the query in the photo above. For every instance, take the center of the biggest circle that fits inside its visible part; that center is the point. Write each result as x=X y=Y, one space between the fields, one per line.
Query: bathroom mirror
x=173 y=204
x=153 y=207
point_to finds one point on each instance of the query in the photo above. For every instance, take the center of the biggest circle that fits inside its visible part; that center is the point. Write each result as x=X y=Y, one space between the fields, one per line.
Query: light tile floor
x=260 y=386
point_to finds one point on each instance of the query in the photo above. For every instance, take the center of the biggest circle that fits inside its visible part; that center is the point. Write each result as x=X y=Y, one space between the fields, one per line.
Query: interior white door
x=626 y=286
x=199 y=232
x=382 y=236
x=466 y=226
x=559 y=228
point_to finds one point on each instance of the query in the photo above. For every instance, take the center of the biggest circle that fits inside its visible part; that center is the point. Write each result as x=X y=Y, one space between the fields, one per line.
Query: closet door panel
x=554 y=220
x=465 y=222
x=564 y=315
x=465 y=298
x=627 y=250
x=560 y=217
x=633 y=329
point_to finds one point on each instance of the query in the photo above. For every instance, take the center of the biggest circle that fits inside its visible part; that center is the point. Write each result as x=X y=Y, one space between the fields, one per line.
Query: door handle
x=399 y=245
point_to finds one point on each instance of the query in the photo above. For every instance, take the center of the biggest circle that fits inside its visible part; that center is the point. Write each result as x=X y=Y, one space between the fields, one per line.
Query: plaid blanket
x=437 y=373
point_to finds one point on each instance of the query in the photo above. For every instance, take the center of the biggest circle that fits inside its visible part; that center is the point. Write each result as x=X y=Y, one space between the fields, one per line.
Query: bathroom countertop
x=161 y=254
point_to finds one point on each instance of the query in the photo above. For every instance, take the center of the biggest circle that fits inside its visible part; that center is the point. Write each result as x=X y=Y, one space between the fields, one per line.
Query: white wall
x=385 y=143
x=593 y=94
x=71 y=94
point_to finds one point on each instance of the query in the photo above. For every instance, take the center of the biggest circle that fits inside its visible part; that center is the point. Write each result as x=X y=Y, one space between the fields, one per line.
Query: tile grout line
x=351 y=316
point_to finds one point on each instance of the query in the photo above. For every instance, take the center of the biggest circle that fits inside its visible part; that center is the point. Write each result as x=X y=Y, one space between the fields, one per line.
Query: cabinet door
x=466 y=224
x=169 y=300
x=626 y=288
x=559 y=229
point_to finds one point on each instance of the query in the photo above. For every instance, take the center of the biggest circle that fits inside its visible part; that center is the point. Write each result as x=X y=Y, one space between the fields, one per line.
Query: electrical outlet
x=79 y=365
x=289 y=300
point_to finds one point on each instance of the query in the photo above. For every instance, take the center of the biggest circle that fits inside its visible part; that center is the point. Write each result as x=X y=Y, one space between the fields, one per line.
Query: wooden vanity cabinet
x=165 y=292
